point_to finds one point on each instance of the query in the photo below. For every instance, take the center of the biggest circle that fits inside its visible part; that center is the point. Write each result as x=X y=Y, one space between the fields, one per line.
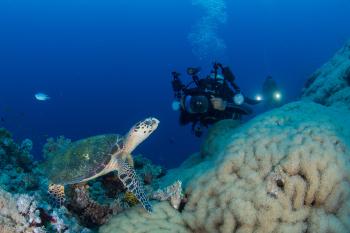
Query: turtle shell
x=82 y=159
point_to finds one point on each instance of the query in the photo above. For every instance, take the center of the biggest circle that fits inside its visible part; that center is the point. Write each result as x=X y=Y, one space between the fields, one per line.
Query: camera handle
x=177 y=85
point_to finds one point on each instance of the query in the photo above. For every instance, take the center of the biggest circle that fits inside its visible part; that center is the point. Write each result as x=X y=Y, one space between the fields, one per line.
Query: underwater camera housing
x=197 y=104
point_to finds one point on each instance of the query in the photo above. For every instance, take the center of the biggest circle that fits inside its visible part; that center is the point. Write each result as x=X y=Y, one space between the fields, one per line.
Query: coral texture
x=52 y=145
x=172 y=193
x=164 y=218
x=330 y=85
x=23 y=213
x=147 y=171
x=23 y=193
x=19 y=214
x=219 y=131
x=16 y=165
x=90 y=212
x=285 y=171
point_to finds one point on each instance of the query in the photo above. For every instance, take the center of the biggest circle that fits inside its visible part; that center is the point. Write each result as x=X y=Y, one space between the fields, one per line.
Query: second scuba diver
x=271 y=94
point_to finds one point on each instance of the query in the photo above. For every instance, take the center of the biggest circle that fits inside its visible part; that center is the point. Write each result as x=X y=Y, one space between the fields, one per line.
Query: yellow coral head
x=130 y=198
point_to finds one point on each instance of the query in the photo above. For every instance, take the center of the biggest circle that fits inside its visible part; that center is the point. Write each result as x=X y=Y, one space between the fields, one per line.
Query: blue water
x=106 y=64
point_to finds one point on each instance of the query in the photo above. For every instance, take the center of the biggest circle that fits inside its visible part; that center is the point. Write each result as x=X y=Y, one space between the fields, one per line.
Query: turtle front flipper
x=56 y=194
x=128 y=158
x=130 y=180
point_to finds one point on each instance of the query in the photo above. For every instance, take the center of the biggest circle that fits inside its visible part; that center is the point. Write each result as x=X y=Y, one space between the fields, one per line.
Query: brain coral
x=285 y=171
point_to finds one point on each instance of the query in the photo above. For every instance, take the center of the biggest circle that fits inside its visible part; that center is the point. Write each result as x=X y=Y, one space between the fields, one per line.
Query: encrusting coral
x=19 y=214
x=164 y=218
x=149 y=172
x=52 y=145
x=25 y=213
x=172 y=193
x=90 y=212
x=16 y=164
x=23 y=192
x=287 y=170
x=216 y=133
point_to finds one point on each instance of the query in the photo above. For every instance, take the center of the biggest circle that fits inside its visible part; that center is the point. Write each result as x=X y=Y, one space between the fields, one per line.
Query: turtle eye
x=148 y=122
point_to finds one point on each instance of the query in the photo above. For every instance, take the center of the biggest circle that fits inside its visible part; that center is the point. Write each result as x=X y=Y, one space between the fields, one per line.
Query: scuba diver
x=271 y=93
x=205 y=101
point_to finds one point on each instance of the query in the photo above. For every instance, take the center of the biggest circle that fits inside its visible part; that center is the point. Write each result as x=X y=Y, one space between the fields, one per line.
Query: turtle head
x=139 y=132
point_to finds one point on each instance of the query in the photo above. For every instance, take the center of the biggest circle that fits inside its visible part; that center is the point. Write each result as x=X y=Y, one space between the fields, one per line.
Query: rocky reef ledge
x=287 y=170
x=330 y=85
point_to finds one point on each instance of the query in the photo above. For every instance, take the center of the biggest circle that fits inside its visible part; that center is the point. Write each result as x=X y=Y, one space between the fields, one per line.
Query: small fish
x=41 y=96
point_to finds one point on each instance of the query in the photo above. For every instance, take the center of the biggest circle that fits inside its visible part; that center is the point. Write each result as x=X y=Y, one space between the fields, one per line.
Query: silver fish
x=41 y=96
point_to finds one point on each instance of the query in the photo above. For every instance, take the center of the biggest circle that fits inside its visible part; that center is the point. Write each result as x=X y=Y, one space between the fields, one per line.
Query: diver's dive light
x=277 y=96
x=238 y=99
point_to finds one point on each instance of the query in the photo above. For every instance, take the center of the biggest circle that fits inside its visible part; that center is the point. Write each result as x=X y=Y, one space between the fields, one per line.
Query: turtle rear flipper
x=130 y=180
x=56 y=194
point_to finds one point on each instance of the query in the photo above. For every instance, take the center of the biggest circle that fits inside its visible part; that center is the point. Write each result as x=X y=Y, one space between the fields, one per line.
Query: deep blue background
x=106 y=64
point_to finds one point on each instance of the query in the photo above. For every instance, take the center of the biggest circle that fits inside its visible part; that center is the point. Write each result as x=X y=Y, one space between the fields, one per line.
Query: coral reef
x=90 y=212
x=52 y=145
x=202 y=160
x=147 y=171
x=164 y=218
x=216 y=133
x=23 y=193
x=16 y=164
x=19 y=214
x=287 y=170
x=172 y=193
x=330 y=85
x=12 y=153
x=24 y=213
x=94 y=202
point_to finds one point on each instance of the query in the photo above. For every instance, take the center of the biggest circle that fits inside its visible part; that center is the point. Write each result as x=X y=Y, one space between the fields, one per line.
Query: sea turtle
x=95 y=156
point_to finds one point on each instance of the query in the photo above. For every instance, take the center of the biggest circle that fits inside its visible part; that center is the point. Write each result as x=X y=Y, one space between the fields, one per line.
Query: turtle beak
x=152 y=122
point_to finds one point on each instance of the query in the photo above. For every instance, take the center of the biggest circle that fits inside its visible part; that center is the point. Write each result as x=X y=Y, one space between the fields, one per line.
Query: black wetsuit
x=268 y=90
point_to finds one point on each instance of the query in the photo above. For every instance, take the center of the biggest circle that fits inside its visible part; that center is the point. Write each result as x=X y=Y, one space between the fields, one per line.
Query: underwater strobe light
x=238 y=99
x=175 y=105
x=258 y=97
x=277 y=96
